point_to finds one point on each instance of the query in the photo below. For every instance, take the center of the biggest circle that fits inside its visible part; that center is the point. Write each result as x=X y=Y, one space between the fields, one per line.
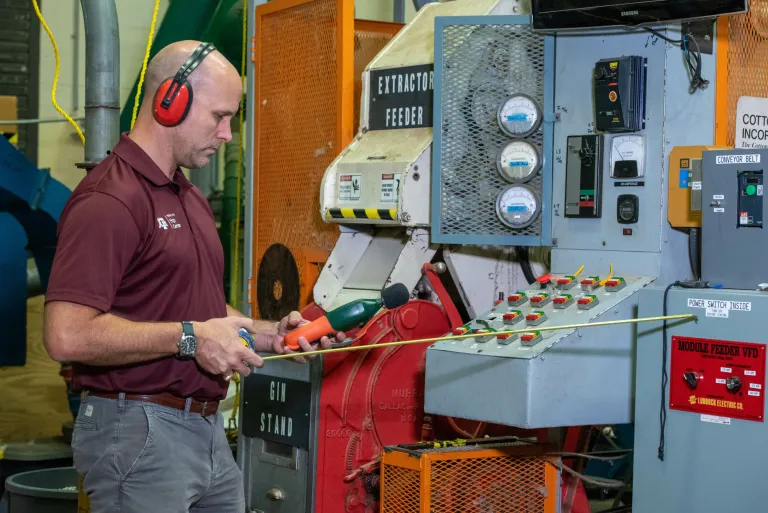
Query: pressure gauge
x=518 y=206
x=519 y=116
x=518 y=162
x=628 y=156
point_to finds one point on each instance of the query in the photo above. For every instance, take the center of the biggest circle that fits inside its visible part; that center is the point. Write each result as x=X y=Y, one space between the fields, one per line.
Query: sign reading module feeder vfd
x=401 y=97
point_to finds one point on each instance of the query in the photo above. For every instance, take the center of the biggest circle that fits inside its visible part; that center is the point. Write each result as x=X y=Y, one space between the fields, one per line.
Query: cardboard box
x=8 y=110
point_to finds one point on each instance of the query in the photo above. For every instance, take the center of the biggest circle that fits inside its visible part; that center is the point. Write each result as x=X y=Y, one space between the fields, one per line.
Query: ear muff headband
x=173 y=98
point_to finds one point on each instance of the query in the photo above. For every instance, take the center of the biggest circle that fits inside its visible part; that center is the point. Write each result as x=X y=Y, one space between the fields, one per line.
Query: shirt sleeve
x=97 y=238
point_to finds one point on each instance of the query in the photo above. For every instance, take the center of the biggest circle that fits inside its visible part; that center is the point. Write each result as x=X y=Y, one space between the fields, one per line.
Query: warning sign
x=390 y=187
x=717 y=377
x=350 y=187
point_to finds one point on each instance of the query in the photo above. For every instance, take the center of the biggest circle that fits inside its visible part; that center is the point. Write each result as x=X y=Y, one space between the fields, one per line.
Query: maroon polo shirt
x=135 y=244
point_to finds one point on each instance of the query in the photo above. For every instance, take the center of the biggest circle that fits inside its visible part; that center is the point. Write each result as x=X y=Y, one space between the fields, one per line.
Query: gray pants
x=139 y=457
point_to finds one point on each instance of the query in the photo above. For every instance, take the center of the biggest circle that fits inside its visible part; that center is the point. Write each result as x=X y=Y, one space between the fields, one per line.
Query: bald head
x=214 y=69
x=217 y=89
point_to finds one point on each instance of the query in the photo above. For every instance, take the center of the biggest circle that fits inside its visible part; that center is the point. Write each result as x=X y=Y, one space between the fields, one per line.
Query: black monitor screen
x=561 y=14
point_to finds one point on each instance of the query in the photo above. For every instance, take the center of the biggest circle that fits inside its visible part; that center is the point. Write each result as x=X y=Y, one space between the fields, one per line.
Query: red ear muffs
x=171 y=111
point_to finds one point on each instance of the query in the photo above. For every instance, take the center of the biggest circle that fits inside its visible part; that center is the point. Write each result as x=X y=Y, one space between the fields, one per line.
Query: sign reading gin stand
x=401 y=98
x=277 y=409
x=752 y=122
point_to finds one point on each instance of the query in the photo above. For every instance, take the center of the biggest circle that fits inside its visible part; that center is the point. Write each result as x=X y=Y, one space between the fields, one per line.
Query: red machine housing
x=373 y=398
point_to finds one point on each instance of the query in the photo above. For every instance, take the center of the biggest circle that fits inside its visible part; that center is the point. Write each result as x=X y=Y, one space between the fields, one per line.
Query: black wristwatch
x=188 y=342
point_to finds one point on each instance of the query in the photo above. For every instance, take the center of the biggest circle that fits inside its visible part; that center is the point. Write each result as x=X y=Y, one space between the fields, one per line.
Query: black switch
x=627 y=209
x=691 y=378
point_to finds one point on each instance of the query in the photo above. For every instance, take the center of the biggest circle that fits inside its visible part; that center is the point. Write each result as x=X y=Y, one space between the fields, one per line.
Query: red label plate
x=717 y=377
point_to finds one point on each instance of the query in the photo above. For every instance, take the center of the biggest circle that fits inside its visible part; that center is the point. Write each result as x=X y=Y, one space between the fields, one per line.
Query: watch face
x=188 y=346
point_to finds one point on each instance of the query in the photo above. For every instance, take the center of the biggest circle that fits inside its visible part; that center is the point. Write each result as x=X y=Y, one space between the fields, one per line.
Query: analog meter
x=518 y=206
x=518 y=161
x=519 y=116
x=627 y=156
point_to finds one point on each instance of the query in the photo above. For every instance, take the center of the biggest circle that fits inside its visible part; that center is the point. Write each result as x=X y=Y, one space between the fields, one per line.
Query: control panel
x=584 y=176
x=620 y=94
x=750 y=207
x=717 y=377
x=555 y=300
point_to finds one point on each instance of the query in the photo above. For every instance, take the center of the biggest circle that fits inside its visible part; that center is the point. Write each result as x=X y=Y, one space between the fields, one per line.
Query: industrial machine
x=702 y=382
x=30 y=205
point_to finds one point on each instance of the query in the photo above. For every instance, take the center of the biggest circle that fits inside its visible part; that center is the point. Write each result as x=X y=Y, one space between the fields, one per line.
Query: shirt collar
x=137 y=158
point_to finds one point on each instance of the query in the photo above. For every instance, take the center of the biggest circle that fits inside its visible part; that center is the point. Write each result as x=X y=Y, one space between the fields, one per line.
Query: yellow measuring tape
x=472 y=335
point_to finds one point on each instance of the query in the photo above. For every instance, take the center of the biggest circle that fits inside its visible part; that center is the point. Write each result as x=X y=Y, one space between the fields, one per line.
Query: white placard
x=350 y=187
x=696 y=186
x=713 y=419
x=390 y=187
x=751 y=124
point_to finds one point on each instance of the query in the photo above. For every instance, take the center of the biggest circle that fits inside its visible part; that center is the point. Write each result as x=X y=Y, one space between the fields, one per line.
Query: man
x=136 y=300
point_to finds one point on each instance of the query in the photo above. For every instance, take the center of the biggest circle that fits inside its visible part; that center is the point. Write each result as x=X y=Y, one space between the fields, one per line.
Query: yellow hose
x=577 y=273
x=146 y=61
x=56 y=74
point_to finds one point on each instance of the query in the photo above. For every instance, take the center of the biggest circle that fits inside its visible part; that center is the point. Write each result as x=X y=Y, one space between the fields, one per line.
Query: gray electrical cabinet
x=714 y=438
x=734 y=241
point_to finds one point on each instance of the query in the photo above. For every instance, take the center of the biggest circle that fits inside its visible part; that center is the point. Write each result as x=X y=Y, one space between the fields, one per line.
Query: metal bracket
x=552 y=117
x=704 y=33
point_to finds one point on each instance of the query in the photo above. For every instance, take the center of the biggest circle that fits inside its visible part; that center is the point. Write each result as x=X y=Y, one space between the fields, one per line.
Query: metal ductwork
x=102 y=79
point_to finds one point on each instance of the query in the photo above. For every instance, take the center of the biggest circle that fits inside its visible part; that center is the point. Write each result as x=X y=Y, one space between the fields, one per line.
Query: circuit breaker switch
x=590 y=284
x=530 y=339
x=540 y=300
x=513 y=317
x=506 y=338
x=566 y=282
x=460 y=330
x=485 y=335
x=691 y=379
x=615 y=284
x=587 y=302
x=535 y=318
x=517 y=299
x=563 y=301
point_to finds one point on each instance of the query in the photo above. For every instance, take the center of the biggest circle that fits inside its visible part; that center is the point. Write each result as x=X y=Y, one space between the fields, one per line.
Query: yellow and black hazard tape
x=384 y=214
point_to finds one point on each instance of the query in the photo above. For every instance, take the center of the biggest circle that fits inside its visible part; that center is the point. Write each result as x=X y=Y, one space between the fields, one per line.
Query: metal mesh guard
x=482 y=67
x=488 y=484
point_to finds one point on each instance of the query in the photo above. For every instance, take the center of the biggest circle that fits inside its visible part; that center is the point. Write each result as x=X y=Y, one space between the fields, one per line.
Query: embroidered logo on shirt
x=169 y=220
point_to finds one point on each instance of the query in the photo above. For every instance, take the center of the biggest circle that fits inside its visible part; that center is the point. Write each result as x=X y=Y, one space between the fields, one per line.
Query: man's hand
x=291 y=322
x=219 y=348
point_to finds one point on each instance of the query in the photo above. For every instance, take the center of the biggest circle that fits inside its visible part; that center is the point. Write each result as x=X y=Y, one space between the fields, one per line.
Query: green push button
x=751 y=190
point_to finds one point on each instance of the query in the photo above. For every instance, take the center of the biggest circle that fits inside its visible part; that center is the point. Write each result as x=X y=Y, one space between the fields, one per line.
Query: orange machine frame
x=295 y=221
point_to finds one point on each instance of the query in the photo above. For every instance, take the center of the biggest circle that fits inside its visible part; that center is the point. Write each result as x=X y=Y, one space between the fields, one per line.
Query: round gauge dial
x=518 y=161
x=519 y=116
x=628 y=156
x=518 y=206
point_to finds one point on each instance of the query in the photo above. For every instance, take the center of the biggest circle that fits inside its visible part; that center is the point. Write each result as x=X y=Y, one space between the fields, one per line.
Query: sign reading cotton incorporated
x=401 y=97
x=752 y=122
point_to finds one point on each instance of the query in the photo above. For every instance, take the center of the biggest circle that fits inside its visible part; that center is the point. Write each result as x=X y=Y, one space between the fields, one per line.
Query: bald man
x=136 y=301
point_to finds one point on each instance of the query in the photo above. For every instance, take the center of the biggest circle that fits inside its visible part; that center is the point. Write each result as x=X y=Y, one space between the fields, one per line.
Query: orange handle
x=313 y=331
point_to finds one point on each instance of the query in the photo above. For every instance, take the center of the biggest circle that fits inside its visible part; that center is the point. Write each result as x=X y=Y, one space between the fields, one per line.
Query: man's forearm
x=74 y=333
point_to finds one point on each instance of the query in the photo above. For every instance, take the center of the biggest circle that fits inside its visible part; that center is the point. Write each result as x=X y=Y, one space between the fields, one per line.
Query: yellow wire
x=610 y=275
x=236 y=253
x=56 y=75
x=577 y=273
x=144 y=64
x=475 y=335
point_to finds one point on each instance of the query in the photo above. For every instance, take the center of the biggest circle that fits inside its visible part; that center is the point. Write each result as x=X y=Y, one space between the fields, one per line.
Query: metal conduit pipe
x=102 y=79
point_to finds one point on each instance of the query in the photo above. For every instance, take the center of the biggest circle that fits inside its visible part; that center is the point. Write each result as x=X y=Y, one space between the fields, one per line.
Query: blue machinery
x=30 y=205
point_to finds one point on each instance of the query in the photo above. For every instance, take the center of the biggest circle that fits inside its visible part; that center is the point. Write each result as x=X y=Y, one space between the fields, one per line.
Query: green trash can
x=52 y=490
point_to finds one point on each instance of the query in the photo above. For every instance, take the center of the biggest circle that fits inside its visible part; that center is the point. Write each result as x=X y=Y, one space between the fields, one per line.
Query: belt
x=204 y=408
